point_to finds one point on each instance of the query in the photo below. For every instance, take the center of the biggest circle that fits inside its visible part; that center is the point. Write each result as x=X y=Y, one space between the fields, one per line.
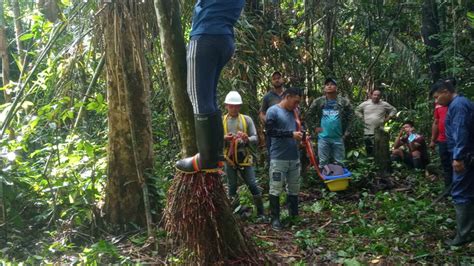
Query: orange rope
x=308 y=146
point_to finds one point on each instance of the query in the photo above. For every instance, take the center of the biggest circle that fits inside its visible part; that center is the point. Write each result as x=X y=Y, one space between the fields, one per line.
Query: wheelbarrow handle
x=312 y=158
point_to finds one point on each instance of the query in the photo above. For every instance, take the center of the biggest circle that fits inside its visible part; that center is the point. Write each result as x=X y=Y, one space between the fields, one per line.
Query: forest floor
x=392 y=220
x=395 y=220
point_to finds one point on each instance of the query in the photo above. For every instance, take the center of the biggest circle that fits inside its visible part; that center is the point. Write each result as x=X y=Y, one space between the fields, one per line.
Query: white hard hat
x=233 y=97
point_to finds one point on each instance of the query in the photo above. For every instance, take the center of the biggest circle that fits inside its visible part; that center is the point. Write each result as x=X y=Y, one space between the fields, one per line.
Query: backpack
x=333 y=170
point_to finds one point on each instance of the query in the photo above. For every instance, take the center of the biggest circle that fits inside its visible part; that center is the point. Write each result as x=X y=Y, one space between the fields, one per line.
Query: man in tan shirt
x=375 y=113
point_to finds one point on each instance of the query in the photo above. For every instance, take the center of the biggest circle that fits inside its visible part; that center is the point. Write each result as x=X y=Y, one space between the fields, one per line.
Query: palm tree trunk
x=429 y=32
x=7 y=98
x=18 y=28
x=174 y=53
x=4 y=55
x=329 y=35
x=130 y=153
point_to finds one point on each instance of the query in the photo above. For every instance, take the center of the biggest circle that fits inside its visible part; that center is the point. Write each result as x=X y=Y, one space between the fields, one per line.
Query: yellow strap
x=226 y=149
x=224 y=122
x=244 y=123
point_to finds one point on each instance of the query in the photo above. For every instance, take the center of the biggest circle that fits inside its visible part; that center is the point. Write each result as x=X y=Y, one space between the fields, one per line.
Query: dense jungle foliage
x=55 y=125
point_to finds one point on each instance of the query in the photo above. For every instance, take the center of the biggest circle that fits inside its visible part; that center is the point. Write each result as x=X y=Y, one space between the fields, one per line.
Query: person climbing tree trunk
x=130 y=153
x=174 y=54
x=198 y=214
x=430 y=31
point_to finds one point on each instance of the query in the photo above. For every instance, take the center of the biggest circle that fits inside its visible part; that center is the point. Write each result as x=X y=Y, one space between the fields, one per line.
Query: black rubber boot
x=395 y=158
x=275 y=212
x=257 y=200
x=464 y=225
x=293 y=205
x=210 y=144
x=418 y=164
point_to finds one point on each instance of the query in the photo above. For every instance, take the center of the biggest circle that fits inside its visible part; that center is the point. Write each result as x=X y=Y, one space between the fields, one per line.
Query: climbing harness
x=231 y=153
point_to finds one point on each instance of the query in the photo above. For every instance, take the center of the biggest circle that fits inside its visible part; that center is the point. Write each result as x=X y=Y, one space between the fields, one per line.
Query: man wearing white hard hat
x=239 y=133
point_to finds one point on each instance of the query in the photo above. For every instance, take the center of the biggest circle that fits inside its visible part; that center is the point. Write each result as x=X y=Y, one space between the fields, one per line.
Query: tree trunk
x=309 y=13
x=7 y=92
x=7 y=98
x=18 y=28
x=4 y=55
x=174 y=53
x=429 y=30
x=130 y=154
x=49 y=8
x=276 y=10
x=382 y=151
x=40 y=4
x=329 y=34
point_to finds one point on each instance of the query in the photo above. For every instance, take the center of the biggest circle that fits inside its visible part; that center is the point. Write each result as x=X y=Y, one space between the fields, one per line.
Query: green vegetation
x=54 y=130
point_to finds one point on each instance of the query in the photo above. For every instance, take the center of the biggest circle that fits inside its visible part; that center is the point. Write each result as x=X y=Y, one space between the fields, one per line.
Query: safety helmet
x=233 y=97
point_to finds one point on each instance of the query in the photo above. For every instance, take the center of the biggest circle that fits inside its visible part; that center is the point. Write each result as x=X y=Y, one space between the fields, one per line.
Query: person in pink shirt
x=438 y=138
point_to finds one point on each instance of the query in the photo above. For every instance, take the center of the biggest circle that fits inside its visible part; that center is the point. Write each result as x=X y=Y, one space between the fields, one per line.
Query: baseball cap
x=330 y=80
x=276 y=73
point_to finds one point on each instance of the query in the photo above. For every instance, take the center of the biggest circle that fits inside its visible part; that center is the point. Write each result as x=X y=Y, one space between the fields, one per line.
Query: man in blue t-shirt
x=459 y=129
x=330 y=117
x=211 y=46
x=284 y=128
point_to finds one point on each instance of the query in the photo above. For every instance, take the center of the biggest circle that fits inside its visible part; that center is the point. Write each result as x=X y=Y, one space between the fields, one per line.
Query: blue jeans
x=284 y=173
x=206 y=56
x=463 y=186
x=330 y=150
x=247 y=173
